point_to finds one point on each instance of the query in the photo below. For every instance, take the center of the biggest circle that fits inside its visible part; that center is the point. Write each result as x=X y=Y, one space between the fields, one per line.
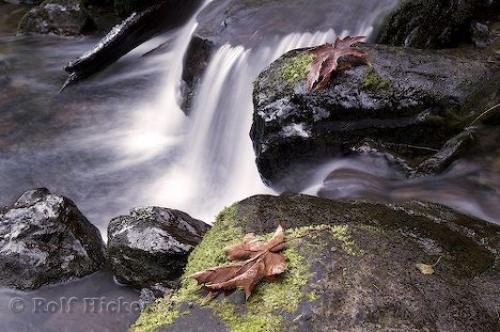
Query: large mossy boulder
x=352 y=266
x=253 y=23
x=408 y=102
x=150 y=246
x=45 y=239
x=434 y=24
x=60 y=17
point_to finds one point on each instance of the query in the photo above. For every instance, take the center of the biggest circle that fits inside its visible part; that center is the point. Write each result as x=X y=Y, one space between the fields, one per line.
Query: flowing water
x=120 y=140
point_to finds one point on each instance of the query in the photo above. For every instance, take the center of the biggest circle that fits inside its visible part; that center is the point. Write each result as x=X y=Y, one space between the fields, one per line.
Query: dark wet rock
x=151 y=245
x=126 y=7
x=102 y=14
x=60 y=17
x=10 y=15
x=480 y=34
x=23 y=2
x=451 y=151
x=410 y=102
x=133 y=31
x=253 y=23
x=45 y=239
x=433 y=24
x=151 y=294
x=352 y=266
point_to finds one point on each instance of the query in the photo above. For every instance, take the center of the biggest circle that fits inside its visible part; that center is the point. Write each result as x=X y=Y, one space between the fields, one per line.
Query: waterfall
x=216 y=166
x=213 y=163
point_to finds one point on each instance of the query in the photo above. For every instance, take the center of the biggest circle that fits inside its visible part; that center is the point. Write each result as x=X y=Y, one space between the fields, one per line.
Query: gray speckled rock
x=45 y=239
x=151 y=245
x=411 y=102
x=60 y=17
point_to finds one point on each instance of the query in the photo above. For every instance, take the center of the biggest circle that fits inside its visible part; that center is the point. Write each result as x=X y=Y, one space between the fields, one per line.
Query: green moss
x=161 y=313
x=296 y=68
x=263 y=311
x=342 y=234
x=373 y=82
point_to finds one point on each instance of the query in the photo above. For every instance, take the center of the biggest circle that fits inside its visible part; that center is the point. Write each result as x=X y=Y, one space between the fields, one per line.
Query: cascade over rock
x=251 y=23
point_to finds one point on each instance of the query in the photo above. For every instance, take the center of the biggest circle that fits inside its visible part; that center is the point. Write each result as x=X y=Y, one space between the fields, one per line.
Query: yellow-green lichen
x=296 y=68
x=373 y=82
x=161 y=313
x=342 y=234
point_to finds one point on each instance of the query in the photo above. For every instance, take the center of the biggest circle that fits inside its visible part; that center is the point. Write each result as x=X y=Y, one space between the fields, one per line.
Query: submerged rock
x=45 y=239
x=60 y=17
x=151 y=245
x=409 y=101
x=434 y=24
x=351 y=266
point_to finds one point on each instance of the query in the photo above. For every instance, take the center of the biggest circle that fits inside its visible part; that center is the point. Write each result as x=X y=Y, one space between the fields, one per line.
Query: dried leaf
x=263 y=260
x=425 y=268
x=327 y=58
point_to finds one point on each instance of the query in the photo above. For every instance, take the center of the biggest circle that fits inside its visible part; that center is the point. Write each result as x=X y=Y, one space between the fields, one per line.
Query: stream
x=120 y=140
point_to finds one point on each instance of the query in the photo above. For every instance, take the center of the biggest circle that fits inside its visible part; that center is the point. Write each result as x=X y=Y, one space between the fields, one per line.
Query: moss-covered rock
x=351 y=265
x=409 y=102
x=373 y=82
x=296 y=68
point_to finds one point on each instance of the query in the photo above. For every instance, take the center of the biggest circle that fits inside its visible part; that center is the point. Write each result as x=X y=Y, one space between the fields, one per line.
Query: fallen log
x=132 y=32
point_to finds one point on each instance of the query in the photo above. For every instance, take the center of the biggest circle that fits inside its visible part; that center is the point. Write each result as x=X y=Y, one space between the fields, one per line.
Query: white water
x=214 y=162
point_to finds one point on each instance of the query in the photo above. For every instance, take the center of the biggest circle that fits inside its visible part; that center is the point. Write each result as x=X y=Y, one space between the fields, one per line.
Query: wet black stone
x=151 y=245
x=60 y=17
x=434 y=24
x=45 y=239
x=430 y=98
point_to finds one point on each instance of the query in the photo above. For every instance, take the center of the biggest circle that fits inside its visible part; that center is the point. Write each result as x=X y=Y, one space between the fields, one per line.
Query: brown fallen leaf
x=326 y=60
x=426 y=268
x=263 y=260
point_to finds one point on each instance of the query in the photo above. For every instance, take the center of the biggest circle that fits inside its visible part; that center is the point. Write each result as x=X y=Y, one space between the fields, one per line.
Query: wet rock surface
x=410 y=102
x=420 y=23
x=251 y=23
x=60 y=17
x=44 y=239
x=151 y=245
x=360 y=259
